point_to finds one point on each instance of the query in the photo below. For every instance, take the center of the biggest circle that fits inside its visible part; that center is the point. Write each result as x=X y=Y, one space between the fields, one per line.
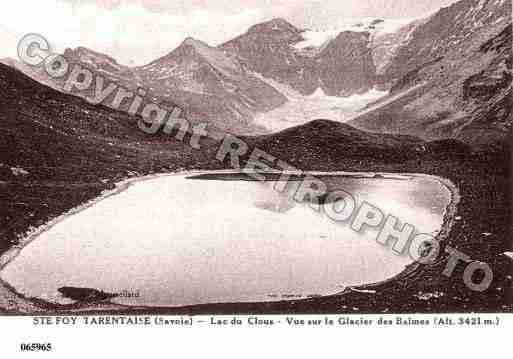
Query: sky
x=135 y=32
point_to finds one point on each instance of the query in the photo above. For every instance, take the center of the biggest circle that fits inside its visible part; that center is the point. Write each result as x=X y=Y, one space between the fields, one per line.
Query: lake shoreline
x=25 y=304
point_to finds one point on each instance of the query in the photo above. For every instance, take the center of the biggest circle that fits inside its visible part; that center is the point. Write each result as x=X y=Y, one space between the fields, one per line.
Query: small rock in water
x=18 y=171
x=85 y=294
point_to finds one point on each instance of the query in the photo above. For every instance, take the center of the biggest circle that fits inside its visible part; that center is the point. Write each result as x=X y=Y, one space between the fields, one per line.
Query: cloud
x=138 y=31
x=130 y=32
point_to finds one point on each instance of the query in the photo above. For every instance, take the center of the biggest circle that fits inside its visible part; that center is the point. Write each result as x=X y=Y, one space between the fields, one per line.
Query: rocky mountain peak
x=84 y=53
x=188 y=50
x=274 y=25
x=192 y=42
x=93 y=59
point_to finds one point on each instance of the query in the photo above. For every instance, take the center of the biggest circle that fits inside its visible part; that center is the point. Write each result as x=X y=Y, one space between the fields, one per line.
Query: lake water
x=177 y=241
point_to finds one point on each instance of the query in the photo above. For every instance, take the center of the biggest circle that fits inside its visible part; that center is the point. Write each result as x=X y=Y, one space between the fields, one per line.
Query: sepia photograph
x=205 y=163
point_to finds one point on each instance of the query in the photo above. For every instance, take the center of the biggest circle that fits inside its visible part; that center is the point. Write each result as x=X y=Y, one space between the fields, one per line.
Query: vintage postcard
x=270 y=164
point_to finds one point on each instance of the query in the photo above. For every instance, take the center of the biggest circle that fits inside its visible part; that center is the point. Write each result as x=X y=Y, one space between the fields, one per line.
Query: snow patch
x=18 y=171
x=370 y=95
x=390 y=26
x=317 y=38
x=302 y=109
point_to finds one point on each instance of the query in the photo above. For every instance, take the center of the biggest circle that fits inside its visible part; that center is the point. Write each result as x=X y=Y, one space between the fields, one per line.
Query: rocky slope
x=341 y=66
x=449 y=29
x=386 y=44
x=210 y=84
x=455 y=72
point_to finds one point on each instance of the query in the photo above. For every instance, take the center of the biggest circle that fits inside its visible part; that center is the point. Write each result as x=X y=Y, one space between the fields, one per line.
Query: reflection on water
x=276 y=206
x=178 y=241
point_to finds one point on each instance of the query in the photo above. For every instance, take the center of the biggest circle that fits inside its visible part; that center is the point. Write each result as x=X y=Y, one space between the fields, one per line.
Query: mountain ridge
x=436 y=60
